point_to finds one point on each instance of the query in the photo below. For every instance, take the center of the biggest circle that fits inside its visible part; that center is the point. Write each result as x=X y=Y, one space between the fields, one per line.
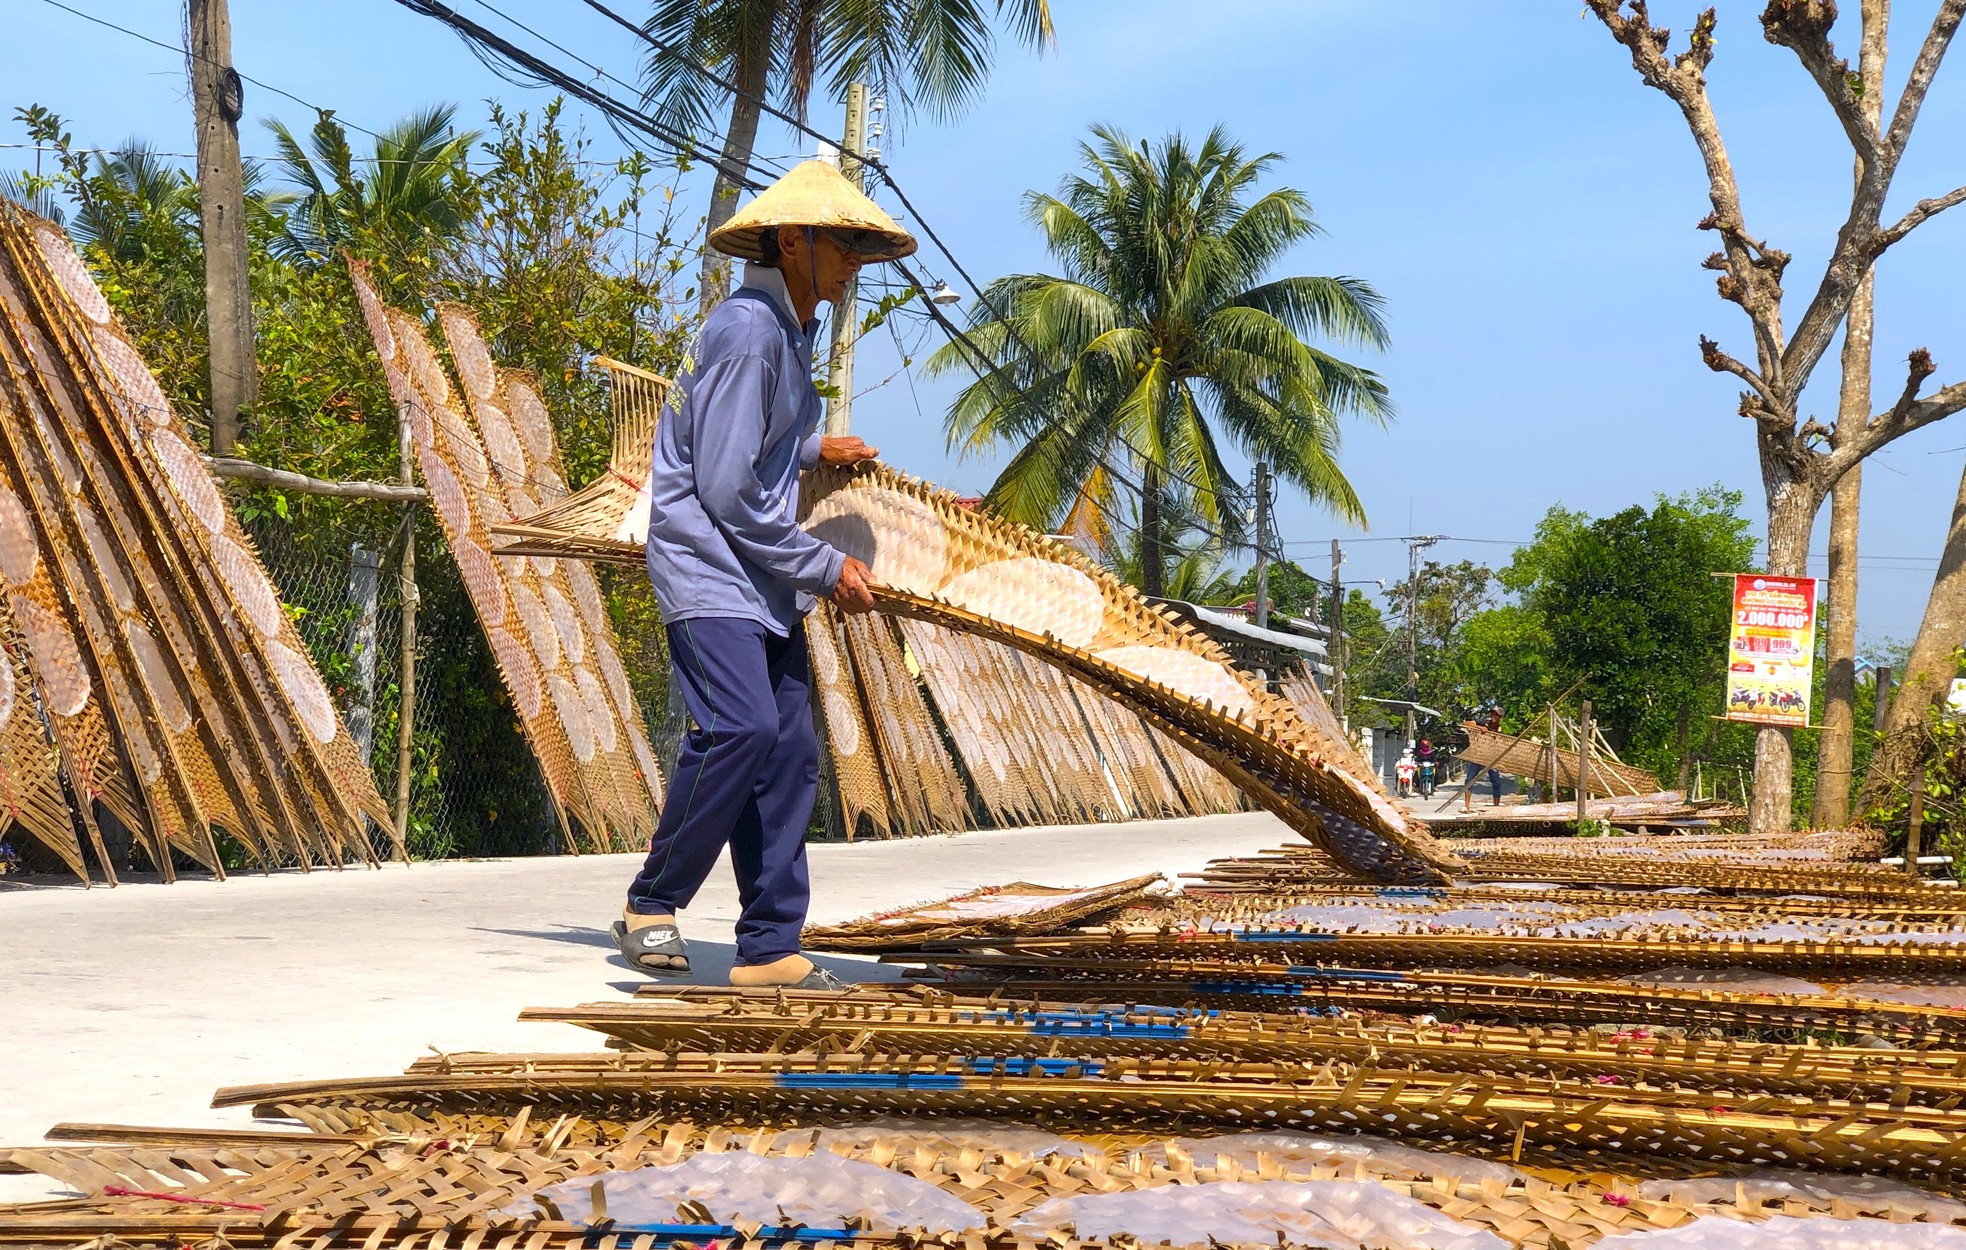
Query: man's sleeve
x=809 y=451
x=728 y=403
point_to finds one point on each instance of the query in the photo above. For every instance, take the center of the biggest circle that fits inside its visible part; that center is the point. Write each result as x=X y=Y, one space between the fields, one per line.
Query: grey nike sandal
x=656 y=950
x=819 y=979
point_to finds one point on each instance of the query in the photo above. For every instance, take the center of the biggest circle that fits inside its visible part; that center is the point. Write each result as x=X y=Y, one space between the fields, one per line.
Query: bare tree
x=1928 y=670
x=1836 y=749
x=1801 y=460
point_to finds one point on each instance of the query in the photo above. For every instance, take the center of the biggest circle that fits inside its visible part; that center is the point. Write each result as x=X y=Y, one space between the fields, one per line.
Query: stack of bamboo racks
x=1548 y=1066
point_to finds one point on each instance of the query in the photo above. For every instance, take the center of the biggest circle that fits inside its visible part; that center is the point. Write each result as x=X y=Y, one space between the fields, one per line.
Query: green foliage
x=917 y=53
x=561 y=265
x=1163 y=335
x=1621 y=607
x=1375 y=660
x=1445 y=600
x=406 y=205
x=1293 y=592
x=560 y=256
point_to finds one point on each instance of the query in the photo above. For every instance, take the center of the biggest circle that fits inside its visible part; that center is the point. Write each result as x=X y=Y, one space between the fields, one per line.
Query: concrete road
x=132 y=1005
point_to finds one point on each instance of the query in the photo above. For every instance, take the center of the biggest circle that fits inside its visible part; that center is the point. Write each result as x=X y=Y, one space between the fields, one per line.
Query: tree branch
x=1720 y=362
x=1859 y=242
x=1944 y=24
x=1755 y=270
x=1803 y=27
x=1917 y=215
x=1908 y=414
x=247 y=471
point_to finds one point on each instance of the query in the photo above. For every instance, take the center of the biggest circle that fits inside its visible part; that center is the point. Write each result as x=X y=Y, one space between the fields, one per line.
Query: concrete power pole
x=1262 y=545
x=1414 y=546
x=1337 y=647
x=219 y=100
x=846 y=313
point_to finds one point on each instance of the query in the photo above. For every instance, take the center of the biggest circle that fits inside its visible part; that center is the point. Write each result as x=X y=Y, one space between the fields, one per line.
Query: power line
x=186 y=52
x=887 y=176
x=491 y=48
x=600 y=71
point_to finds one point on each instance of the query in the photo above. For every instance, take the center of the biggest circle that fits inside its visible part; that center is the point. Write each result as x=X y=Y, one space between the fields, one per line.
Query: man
x=735 y=575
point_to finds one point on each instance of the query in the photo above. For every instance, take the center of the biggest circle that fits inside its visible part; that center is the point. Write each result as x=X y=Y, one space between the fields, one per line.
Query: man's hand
x=853 y=593
x=845 y=451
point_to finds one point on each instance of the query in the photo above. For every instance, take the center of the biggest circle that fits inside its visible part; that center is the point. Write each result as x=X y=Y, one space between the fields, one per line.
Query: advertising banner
x=1771 y=651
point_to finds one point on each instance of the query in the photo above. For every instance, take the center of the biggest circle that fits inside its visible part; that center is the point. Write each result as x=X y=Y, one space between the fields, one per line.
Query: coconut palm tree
x=413 y=196
x=931 y=54
x=1163 y=336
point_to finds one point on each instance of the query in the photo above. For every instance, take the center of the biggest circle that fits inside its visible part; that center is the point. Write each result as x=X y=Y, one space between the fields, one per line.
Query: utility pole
x=1262 y=545
x=846 y=313
x=1414 y=546
x=1337 y=647
x=219 y=100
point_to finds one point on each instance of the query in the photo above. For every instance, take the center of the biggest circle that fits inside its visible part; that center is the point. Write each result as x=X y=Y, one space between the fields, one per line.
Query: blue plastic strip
x=868 y=1080
x=1102 y=1028
x=989 y=1066
x=1268 y=989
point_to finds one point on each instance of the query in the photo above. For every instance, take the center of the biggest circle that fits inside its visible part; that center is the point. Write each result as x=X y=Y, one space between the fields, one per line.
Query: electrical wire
x=886 y=175
x=186 y=52
x=491 y=48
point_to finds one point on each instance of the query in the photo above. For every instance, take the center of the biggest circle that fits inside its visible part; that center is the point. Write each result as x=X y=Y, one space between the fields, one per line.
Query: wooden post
x=1552 y=754
x=219 y=100
x=363 y=563
x=1882 y=675
x=406 y=720
x=1915 y=825
x=1585 y=730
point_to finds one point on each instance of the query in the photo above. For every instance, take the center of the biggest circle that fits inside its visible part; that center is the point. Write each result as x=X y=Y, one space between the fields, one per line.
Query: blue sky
x=1497 y=172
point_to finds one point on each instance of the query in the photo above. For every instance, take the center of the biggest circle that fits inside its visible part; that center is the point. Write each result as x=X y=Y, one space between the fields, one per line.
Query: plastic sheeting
x=1376 y=1156
x=1934 y=994
x=1329 y=1215
x=1737 y=980
x=1785 y=1232
x=1549 y=918
x=985 y=1135
x=1871 y=1194
x=818 y=1191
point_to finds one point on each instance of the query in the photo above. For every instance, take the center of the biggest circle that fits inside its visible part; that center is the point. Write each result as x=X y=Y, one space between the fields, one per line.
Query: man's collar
x=771 y=282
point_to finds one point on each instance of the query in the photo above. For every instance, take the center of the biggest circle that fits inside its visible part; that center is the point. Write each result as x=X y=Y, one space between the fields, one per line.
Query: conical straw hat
x=813 y=193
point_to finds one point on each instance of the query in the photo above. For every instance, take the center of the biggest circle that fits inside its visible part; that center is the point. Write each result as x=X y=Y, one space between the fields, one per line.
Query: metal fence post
x=362 y=565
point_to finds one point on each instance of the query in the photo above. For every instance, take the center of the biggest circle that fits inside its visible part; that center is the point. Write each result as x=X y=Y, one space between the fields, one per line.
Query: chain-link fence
x=474 y=786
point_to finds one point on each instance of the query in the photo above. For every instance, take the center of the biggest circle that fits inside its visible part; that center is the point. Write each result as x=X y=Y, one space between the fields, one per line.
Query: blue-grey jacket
x=740 y=422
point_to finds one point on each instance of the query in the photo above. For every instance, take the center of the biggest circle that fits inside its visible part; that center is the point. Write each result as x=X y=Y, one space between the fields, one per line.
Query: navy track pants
x=746 y=776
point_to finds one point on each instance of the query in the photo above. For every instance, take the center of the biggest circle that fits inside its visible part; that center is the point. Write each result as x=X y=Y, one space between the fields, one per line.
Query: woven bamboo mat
x=967 y=572
x=522 y=453
x=1888 y=955
x=1552 y=1119
x=1493 y=996
x=1197 y=906
x=860 y=779
x=1630 y=1057
x=177 y=690
x=1017 y=908
x=427 y=1192
x=480 y=448
x=1649 y=862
